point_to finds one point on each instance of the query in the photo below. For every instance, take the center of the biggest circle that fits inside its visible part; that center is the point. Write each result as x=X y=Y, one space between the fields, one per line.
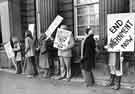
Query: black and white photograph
x=67 y=46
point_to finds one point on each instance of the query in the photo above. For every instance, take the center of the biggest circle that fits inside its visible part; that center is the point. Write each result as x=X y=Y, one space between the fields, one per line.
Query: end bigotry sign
x=120 y=32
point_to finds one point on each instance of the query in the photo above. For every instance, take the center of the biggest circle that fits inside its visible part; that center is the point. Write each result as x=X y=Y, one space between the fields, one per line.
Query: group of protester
x=58 y=61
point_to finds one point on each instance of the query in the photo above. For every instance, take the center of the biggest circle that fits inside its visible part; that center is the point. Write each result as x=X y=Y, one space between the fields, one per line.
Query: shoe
x=18 y=72
x=60 y=78
x=117 y=85
x=90 y=85
x=111 y=82
x=68 y=79
x=29 y=76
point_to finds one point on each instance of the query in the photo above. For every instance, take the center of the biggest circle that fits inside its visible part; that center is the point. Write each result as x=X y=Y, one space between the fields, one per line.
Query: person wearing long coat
x=88 y=57
x=43 y=58
x=29 y=55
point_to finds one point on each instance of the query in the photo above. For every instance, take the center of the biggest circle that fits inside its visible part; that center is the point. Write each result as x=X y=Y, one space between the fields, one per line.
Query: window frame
x=76 y=25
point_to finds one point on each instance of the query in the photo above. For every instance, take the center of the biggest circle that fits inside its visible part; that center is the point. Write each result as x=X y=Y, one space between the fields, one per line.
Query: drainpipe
x=38 y=18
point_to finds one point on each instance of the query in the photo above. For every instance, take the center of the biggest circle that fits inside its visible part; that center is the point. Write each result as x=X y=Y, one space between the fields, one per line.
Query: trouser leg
x=34 y=65
x=62 y=67
x=111 y=80
x=19 y=67
x=14 y=63
x=117 y=84
x=118 y=73
x=56 y=67
x=92 y=77
x=112 y=75
x=88 y=78
x=46 y=73
x=84 y=74
x=67 y=61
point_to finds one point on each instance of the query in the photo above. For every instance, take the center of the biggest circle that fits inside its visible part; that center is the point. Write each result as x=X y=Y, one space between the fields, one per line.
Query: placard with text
x=120 y=32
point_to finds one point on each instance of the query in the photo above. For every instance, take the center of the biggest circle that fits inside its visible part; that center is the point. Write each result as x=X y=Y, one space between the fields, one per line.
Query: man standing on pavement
x=65 y=58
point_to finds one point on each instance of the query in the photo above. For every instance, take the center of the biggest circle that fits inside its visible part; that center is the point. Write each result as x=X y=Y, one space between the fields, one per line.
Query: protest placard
x=120 y=32
x=54 y=25
x=31 y=28
x=62 y=38
x=9 y=50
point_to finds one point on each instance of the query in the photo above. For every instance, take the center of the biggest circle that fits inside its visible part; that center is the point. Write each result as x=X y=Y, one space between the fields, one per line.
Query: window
x=86 y=13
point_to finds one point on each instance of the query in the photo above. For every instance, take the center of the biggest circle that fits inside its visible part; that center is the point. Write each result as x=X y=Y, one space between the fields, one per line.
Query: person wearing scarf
x=88 y=57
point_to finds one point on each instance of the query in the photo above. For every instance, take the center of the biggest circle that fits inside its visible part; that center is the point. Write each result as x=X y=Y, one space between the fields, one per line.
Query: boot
x=92 y=78
x=117 y=85
x=111 y=82
x=19 y=68
x=90 y=81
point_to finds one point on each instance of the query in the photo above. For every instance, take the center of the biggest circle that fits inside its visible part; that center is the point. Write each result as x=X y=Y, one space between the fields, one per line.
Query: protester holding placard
x=88 y=57
x=18 y=55
x=43 y=56
x=10 y=53
x=65 y=57
x=120 y=38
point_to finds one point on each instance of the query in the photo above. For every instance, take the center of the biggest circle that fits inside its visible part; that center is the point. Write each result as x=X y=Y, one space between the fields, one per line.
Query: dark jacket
x=88 y=60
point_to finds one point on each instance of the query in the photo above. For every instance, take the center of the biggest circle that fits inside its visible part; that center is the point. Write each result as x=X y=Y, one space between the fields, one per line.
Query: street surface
x=19 y=84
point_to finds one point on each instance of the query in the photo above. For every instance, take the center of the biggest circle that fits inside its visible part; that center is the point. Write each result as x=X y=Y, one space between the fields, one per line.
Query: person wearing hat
x=65 y=58
x=88 y=57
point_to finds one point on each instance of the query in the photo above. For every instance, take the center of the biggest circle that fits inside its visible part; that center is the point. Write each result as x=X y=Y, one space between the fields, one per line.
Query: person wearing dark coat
x=88 y=57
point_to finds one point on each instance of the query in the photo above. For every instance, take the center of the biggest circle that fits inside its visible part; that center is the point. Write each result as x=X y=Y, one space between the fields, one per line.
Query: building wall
x=5 y=25
x=105 y=7
x=132 y=5
x=48 y=11
x=10 y=25
x=28 y=13
x=15 y=18
x=65 y=9
x=10 y=19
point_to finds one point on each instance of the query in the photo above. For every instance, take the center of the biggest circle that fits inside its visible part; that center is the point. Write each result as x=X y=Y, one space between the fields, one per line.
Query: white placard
x=9 y=50
x=31 y=28
x=54 y=25
x=62 y=38
x=120 y=29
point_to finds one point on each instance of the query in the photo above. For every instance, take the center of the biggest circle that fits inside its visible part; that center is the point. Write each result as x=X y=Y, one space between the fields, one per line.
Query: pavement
x=11 y=83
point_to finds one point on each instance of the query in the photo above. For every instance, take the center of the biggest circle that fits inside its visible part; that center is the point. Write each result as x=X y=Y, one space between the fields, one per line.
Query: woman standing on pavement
x=88 y=57
x=43 y=58
x=18 y=55
x=29 y=54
